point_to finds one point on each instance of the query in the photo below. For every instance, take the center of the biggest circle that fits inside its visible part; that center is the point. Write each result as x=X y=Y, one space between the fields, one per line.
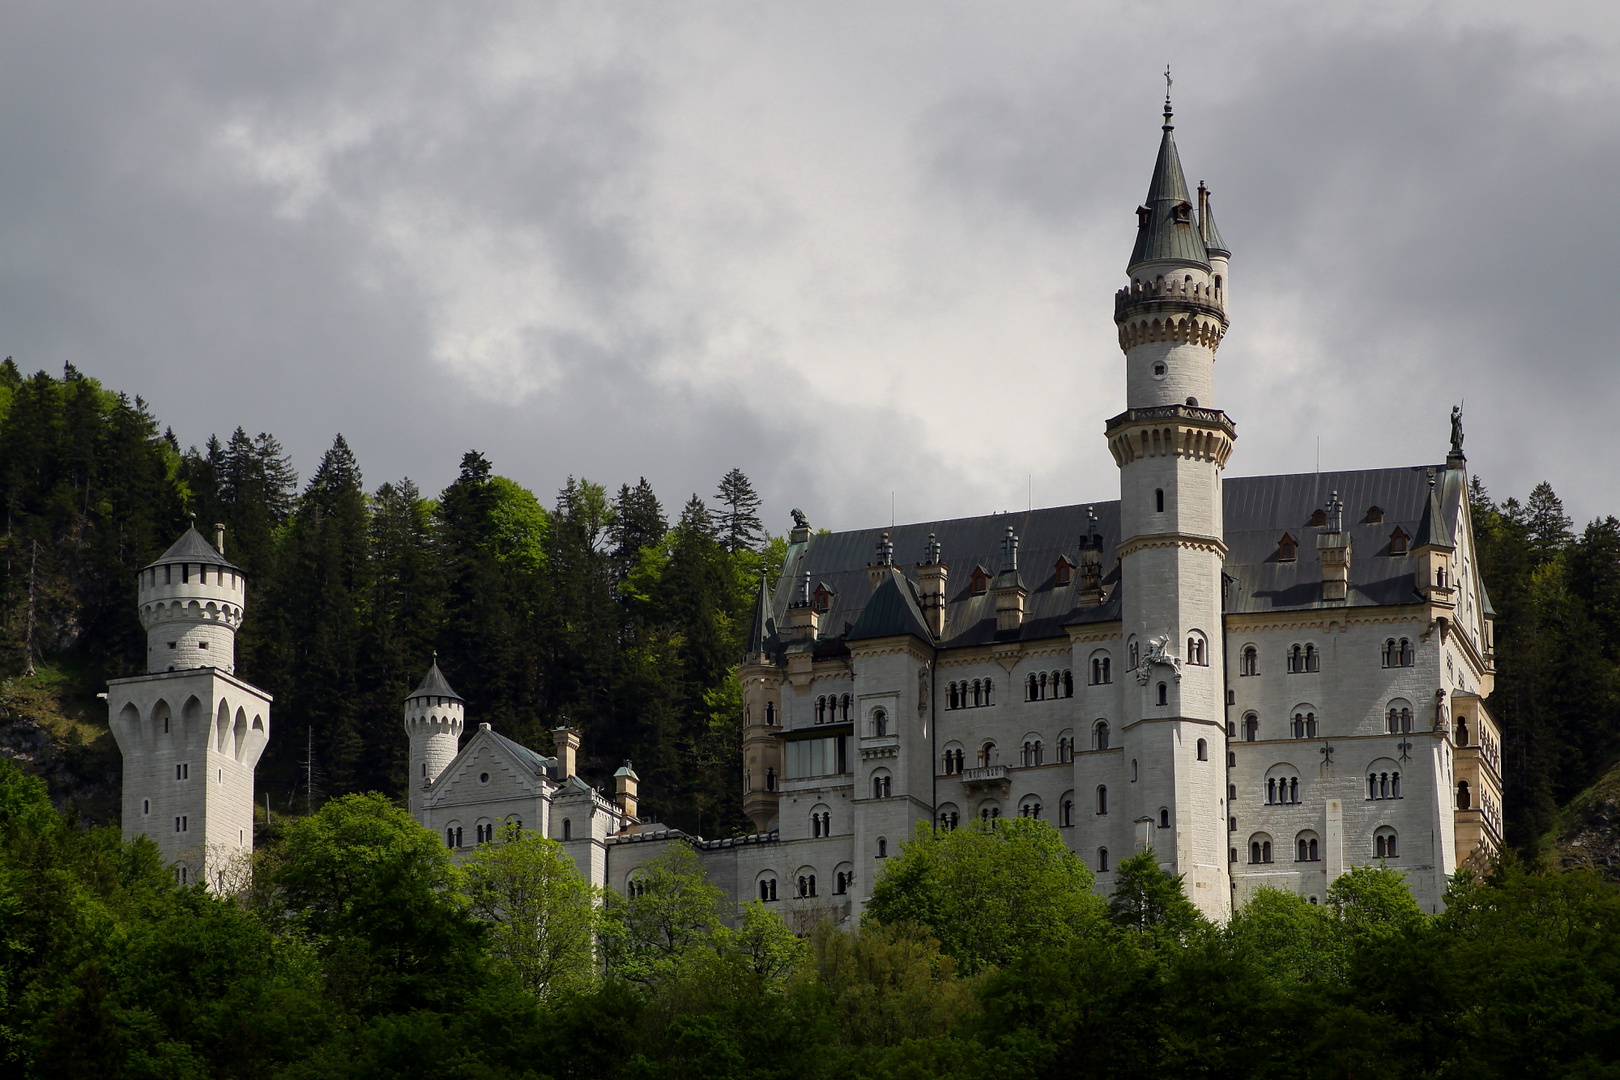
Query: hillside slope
x=58 y=732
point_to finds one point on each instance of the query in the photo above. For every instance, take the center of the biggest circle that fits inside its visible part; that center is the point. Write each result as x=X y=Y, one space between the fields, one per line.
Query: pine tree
x=638 y=523
x=739 y=526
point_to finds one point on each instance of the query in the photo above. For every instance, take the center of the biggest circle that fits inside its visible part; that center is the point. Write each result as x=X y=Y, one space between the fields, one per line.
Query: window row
x=1042 y=686
x=805 y=886
x=969 y=695
x=484 y=831
x=1397 y=720
x=832 y=709
x=1307 y=848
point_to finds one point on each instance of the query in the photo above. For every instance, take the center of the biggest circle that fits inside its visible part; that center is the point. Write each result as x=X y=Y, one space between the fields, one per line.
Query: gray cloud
x=853 y=250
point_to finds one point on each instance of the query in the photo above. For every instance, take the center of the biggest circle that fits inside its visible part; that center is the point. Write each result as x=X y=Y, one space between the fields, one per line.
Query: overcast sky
x=854 y=249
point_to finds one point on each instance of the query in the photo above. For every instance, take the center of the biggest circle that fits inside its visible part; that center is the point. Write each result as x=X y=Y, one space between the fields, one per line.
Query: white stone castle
x=190 y=731
x=1268 y=679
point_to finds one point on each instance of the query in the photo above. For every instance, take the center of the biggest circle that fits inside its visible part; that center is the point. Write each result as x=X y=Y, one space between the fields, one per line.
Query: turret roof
x=1434 y=530
x=762 y=630
x=434 y=685
x=1166 y=232
x=1212 y=233
x=192 y=547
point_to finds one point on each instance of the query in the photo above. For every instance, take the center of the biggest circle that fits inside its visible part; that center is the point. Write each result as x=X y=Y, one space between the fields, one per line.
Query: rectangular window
x=185 y=573
x=818 y=757
x=182 y=772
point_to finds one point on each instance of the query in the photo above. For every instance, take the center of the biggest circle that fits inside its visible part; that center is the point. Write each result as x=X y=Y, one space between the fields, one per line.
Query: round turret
x=434 y=718
x=191 y=602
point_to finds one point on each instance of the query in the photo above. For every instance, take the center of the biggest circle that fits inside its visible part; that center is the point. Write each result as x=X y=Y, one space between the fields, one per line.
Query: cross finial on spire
x=1168 y=126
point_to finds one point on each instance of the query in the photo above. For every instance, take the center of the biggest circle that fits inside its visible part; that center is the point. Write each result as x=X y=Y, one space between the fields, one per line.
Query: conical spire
x=1165 y=231
x=763 y=628
x=434 y=684
x=1206 y=225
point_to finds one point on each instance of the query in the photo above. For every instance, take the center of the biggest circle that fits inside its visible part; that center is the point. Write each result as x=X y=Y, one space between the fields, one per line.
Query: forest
x=359 y=949
x=598 y=610
x=362 y=951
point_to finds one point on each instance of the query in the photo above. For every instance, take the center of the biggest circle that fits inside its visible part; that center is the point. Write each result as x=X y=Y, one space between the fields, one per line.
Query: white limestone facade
x=189 y=730
x=1266 y=679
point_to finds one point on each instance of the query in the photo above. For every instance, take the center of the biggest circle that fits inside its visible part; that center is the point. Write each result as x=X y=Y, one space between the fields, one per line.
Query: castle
x=1266 y=679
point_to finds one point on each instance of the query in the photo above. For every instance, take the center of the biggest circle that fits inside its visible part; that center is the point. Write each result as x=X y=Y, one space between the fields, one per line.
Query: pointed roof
x=1165 y=232
x=1434 y=530
x=892 y=611
x=763 y=628
x=192 y=547
x=1212 y=233
x=434 y=685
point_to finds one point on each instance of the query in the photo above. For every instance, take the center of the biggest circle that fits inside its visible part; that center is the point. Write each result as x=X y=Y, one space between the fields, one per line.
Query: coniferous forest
x=358 y=949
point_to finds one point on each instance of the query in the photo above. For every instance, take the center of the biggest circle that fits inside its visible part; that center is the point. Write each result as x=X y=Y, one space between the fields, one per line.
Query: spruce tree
x=739 y=526
x=638 y=522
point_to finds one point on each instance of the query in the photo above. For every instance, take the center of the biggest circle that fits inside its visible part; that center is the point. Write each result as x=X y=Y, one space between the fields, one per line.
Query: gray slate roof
x=1258 y=510
x=1159 y=236
x=434 y=684
x=538 y=762
x=192 y=547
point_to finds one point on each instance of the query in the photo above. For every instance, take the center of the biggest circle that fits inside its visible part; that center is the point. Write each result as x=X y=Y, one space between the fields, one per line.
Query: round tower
x=191 y=602
x=434 y=718
x=1171 y=444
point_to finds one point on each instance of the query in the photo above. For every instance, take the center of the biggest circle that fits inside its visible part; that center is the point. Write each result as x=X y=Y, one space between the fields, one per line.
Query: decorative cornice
x=1212 y=544
x=1192 y=328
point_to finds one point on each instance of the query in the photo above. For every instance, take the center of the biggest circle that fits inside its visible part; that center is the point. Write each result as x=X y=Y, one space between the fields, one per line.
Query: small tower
x=625 y=782
x=190 y=731
x=434 y=718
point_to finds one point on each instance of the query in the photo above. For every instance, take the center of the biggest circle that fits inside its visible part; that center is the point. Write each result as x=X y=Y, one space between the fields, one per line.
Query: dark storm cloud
x=855 y=251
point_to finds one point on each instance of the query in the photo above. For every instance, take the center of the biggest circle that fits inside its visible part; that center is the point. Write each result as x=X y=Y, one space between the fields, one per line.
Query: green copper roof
x=1166 y=231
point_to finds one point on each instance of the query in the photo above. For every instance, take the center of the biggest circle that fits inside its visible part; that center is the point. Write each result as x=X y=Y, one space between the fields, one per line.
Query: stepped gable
x=1258 y=511
x=893 y=611
x=192 y=547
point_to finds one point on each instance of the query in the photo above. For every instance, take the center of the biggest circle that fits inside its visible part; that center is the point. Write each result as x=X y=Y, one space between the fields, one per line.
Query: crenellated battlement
x=1149 y=296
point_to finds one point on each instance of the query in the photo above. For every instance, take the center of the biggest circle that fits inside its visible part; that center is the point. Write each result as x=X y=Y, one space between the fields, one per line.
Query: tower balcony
x=1150 y=298
x=1188 y=431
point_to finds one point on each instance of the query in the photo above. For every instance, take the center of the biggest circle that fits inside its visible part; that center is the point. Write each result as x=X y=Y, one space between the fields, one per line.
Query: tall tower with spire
x=434 y=718
x=1171 y=444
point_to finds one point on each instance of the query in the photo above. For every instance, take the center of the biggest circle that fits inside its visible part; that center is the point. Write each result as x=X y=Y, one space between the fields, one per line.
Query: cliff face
x=52 y=732
x=1588 y=831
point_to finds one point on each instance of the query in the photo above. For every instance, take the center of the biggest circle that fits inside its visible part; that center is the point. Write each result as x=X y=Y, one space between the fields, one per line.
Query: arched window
x=568 y=829
x=770 y=714
x=1251 y=727
x=1158 y=499
x=951 y=699
x=1197 y=649
x=1462 y=731
x=1464 y=800
x=1066 y=812
x=1384 y=844
x=1305 y=848
x=1065 y=749
x=1133 y=770
x=821 y=710
x=1100 y=670
x=978 y=693
x=1068 y=684
x=1030 y=687
x=840 y=884
x=1250 y=663
x=1135 y=654
x=1313 y=659
x=1203 y=750
x=880 y=723
x=989 y=688
x=1102 y=860
x=882 y=786
x=1030 y=808
x=1304 y=724
x=1164 y=817
x=883 y=848
x=1296 y=660
x=1392 y=653
x=770 y=779
x=1164 y=694
x=1099 y=731
x=1408 y=654
x=987 y=755
x=1102 y=799
x=767 y=889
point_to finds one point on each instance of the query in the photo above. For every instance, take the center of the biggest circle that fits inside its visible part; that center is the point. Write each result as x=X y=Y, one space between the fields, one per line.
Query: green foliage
x=987 y=891
x=542 y=914
x=672 y=915
x=1150 y=901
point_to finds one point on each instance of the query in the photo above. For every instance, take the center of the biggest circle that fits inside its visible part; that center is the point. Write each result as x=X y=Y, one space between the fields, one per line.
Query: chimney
x=567 y=740
x=1008 y=587
x=1333 y=552
x=624 y=789
x=802 y=617
x=931 y=576
x=877 y=571
x=219 y=537
x=1091 y=545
